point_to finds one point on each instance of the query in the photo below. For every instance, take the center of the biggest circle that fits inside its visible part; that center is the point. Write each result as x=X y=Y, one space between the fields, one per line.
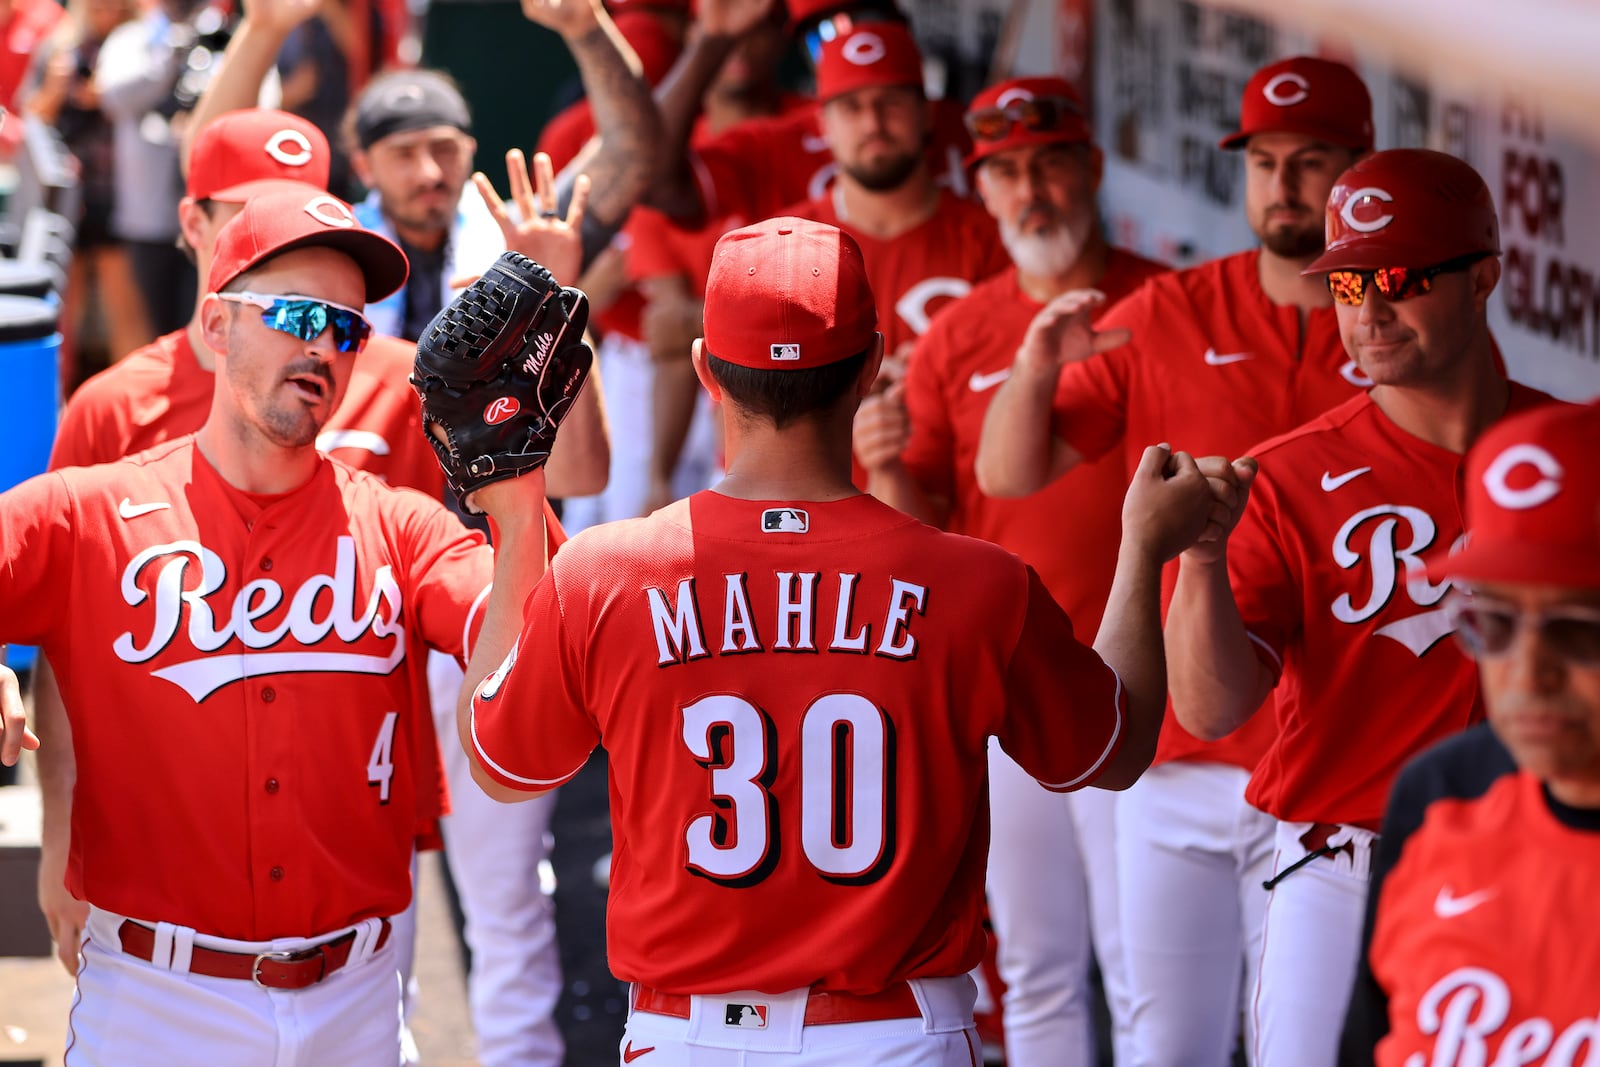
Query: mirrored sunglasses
x=1487 y=628
x=1042 y=114
x=305 y=318
x=1349 y=287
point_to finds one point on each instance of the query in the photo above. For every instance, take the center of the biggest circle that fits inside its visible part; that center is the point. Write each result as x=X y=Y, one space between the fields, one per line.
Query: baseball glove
x=498 y=369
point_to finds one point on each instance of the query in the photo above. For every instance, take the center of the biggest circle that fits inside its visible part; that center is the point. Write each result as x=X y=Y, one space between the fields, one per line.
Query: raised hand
x=537 y=231
x=1063 y=332
x=14 y=733
x=569 y=18
x=1169 y=503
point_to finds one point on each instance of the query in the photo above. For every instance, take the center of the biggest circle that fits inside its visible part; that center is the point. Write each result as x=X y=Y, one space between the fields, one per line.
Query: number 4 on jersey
x=380 y=765
x=847 y=802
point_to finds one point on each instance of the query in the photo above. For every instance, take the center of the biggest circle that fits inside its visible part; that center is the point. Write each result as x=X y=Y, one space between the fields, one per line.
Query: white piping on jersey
x=1261 y=644
x=488 y=761
x=1111 y=745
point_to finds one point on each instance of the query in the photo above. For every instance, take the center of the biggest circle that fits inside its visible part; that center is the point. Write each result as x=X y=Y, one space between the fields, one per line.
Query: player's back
x=806 y=691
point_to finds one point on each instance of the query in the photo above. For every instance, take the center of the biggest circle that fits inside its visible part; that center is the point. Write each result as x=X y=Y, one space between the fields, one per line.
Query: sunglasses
x=1349 y=287
x=305 y=318
x=1042 y=114
x=837 y=26
x=1487 y=628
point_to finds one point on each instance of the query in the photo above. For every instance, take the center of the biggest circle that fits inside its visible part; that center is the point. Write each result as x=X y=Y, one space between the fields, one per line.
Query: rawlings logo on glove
x=497 y=371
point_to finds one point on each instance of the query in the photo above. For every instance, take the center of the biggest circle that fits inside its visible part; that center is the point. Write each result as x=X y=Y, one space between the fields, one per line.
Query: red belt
x=823 y=1007
x=273 y=970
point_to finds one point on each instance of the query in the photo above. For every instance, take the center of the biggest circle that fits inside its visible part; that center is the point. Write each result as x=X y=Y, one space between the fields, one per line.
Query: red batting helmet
x=1407 y=207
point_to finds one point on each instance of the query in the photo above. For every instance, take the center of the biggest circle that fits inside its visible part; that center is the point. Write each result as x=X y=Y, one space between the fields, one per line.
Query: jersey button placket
x=276 y=874
x=268 y=694
x=272 y=785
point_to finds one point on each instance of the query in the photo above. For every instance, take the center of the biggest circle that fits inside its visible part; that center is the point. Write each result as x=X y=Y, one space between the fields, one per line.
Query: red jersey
x=658 y=247
x=161 y=391
x=1214 y=368
x=262 y=659
x=1329 y=569
x=796 y=701
x=1068 y=531
x=755 y=169
x=923 y=270
x=1485 y=937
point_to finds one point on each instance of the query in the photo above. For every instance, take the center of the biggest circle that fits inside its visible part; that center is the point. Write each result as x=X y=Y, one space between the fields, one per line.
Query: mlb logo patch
x=785 y=520
x=745 y=1016
x=789 y=353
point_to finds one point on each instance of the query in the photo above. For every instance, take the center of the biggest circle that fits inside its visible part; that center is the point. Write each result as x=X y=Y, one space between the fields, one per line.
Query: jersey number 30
x=847 y=796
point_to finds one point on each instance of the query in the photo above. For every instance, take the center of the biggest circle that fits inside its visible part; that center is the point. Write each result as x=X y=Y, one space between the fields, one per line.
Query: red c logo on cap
x=864 y=49
x=1363 y=200
x=275 y=148
x=1298 y=89
x=1497 y=477
x=500 y=409
x=330 y=212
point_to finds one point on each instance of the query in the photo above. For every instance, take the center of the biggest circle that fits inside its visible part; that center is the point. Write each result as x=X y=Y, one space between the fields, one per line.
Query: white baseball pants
x=943 y=1037
x=494 y=851
x=1052 y=899
x=1191 y=857
x=128 y=1012
x=1310 y=944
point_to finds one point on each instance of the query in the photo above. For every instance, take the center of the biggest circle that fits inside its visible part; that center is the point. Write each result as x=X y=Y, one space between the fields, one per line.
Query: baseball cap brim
x=244 y=191
x=1026 y=139
x=383 y=265
x=1373 y=254
x=1518 y=564
x=1339 y=138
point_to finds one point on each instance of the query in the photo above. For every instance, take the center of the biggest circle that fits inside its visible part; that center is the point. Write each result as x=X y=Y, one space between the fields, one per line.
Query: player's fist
x=569 y=18
x=1168 y=504
x=280 y=16
x=882 y=428
x=14 y=733
x=1230 y=491
x=1063 y=332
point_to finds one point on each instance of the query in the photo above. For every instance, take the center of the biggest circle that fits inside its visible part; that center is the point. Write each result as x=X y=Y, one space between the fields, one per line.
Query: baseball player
x=924 y=246
x=1223 y=355
x=1052 y=859
x=1484 y=941
x=1321 y=597
x=759 y=167
x=796 y=685
x=164 y=391
x=266 y=606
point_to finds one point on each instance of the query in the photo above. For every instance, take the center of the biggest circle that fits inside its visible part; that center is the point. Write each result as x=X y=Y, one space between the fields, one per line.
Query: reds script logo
x=1498 y=476
x=1396 y=535
x=1469 y=1005
x=500 y=409
x=1362 y=211
x=256 y=653
x=1286 y=89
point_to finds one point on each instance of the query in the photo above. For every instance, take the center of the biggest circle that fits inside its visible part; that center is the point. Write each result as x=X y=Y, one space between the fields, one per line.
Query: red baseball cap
x=1407 y=207
x=304 y=217
x=1022 y=112
x=1304 y=94
x=239 y=148
x=788 y=294
x=651 y=40
x=875 y=54
x=1533 y=501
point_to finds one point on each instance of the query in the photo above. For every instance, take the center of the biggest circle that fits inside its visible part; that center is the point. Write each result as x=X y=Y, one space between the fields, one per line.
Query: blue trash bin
x=30 y=351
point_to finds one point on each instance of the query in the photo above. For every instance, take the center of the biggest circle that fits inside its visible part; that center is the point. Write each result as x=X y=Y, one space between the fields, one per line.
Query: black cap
x=409 y=100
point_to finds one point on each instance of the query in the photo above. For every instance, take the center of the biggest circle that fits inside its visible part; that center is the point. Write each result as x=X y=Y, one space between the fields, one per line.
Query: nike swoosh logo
x=1448 y=906
x=980 y=382
x=129 y=510
x=1222 y=359
x=1330 y=481
x=629 y=1053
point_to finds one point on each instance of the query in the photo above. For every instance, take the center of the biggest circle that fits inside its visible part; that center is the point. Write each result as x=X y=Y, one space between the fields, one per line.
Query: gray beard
x=1047 y=255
